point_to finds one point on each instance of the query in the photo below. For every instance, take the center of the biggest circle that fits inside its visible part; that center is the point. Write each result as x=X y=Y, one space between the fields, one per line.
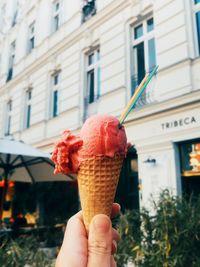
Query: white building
x=62 y=61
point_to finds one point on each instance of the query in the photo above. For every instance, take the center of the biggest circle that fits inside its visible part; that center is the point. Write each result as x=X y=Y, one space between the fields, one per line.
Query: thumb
x=100 y=242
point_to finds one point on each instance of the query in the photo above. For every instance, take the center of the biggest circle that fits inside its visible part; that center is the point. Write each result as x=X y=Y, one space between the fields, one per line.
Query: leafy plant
x=22 y=252
x=168 y=236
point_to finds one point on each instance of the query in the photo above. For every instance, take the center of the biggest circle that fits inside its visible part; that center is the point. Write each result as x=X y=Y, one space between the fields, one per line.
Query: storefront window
x=190 y=158
x=190 y=169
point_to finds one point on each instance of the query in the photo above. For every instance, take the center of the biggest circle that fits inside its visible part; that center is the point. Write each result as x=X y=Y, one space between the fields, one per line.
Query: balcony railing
x=88 y=10
x=148 y=96
x=89 y=107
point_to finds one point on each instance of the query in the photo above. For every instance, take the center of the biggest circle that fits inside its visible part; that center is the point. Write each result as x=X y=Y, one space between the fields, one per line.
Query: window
x=15 y=13
x=56 y=15
x=144 y=53
x=14 y=19
x=8 y=117
x=190 y=167
x=197 y=22
x=190 y=157
x=31 y=39
x=11 y=61
x=28 y=100
x=93 y=76
x=88 y=10
x=55 y=94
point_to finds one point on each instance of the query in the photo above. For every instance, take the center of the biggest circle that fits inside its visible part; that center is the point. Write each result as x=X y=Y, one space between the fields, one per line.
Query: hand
x=93 y=250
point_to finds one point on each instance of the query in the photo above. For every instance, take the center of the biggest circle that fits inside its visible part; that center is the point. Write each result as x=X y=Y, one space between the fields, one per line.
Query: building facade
x=62 y=61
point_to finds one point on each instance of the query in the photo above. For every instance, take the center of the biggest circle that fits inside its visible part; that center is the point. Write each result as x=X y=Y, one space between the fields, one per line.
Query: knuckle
x=99 y=247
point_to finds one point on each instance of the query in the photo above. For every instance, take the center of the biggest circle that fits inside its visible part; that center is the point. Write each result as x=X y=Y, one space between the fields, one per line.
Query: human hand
x=94 y=249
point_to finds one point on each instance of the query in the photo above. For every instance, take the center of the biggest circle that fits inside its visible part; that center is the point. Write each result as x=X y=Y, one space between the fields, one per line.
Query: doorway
x=191 y=186
x=127 y=194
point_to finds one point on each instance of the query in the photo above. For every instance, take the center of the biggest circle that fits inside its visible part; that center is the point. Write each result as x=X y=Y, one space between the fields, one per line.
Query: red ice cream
x=102 y=137
x=65 y=154
x=99 y=136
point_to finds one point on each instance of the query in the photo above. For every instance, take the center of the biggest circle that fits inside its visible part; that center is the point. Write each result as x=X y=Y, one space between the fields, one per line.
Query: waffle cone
x=97 y=179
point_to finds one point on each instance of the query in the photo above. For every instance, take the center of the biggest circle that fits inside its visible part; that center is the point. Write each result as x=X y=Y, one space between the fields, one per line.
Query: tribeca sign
x=186 y=121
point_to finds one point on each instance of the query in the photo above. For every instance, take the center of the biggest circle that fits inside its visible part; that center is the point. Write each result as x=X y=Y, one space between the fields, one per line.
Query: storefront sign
x=176 y=122
x=179 y=122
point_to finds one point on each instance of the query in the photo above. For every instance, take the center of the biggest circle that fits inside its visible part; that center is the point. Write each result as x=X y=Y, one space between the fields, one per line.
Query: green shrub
x=168 y=237
x=22 y=252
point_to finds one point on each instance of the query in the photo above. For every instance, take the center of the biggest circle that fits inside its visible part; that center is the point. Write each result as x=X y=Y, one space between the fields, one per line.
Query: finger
x=74 y=248
x=75 y=223
x=115 y=210
x=78 y=215
x=115 y=235
x=113 y=263
x=115 y=239
x=114 y=247
x=100 y=241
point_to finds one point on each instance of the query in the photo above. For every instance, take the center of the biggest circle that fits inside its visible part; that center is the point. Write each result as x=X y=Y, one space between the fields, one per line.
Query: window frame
x=196 y=9
x=145 y=38
x=11 y=60
x=12 y=54
x=14 y=13
x=96 y=69
x=31 y=36
x=28 y=107
x=56 y=14
x=8 y=119
x=55 y=88
x=89 y=9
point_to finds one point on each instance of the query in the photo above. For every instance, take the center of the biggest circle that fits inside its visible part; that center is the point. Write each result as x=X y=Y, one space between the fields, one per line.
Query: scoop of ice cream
x=102 y=136
x=99 y=136
x=65 y=154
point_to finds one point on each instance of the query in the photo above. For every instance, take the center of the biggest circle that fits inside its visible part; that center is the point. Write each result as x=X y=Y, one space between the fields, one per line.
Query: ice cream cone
x=96 y=156
x=97 y=179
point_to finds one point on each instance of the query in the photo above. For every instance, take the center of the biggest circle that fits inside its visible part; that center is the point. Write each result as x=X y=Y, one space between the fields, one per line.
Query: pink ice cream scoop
x=102 y=136
x=99 y=136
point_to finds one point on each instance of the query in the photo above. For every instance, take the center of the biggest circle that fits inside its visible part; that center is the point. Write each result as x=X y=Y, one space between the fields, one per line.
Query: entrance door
x=191 y=186
x=127 y=191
